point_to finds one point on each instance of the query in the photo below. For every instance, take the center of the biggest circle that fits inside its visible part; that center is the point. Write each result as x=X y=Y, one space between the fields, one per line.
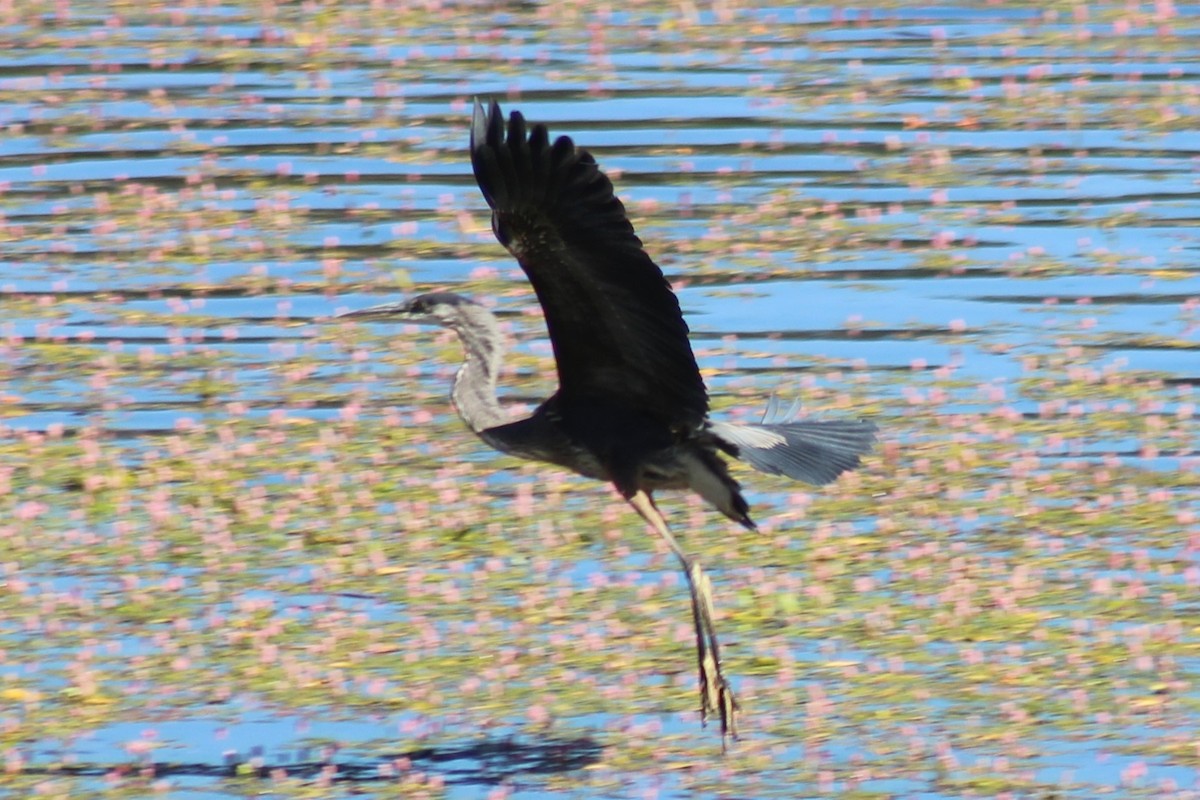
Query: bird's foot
x=716 y=696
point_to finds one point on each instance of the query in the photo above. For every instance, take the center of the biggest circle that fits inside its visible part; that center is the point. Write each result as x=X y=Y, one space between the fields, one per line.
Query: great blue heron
x=631 y=407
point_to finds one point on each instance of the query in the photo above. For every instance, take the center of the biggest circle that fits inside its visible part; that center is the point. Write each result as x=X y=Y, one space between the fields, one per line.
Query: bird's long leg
x=715 y=694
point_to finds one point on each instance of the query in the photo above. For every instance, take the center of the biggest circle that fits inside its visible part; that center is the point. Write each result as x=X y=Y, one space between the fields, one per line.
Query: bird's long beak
x=395 y=310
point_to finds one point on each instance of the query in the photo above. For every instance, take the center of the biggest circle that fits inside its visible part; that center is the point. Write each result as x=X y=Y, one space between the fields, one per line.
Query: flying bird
x=631 y=407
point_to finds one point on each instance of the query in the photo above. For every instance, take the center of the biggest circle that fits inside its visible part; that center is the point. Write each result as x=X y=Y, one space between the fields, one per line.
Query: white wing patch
x=748 y=435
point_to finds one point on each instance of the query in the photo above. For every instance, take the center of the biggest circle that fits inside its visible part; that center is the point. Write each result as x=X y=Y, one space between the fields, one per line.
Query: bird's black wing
x=615 y=324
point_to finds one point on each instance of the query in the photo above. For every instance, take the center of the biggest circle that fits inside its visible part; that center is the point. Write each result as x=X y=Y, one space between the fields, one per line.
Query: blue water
x=960 y=187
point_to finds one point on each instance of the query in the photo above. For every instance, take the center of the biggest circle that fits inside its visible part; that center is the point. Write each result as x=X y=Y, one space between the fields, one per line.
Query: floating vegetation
x=246 y=550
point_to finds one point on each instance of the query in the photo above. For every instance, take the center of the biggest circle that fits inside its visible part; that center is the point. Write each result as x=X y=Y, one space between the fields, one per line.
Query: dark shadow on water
x=499 y=759
x=485 y=762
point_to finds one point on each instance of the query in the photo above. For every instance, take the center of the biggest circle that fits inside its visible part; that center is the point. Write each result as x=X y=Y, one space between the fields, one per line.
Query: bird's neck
x=474 y=390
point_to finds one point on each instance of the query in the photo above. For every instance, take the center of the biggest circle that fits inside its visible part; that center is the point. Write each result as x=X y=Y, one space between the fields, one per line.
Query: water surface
x=245 y=550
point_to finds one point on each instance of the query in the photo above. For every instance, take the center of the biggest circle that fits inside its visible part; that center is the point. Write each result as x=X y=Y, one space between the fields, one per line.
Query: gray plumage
x=813 y=451
x=631 y=407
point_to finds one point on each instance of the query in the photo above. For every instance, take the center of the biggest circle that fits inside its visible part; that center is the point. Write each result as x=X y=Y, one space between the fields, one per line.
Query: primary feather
x=614 y=323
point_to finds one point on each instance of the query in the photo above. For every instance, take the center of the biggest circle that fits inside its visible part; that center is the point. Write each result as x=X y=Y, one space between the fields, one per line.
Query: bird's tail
x=814 y=451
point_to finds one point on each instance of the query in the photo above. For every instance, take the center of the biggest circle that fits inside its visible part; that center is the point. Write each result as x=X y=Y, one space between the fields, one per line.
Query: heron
x=631 y=407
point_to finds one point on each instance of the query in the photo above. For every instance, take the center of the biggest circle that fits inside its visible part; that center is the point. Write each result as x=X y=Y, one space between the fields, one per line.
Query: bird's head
x=436 y=308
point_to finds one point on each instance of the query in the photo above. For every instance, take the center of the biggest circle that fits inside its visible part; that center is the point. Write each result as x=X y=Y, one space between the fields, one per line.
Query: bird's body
x=631 y=408
x=595 y=441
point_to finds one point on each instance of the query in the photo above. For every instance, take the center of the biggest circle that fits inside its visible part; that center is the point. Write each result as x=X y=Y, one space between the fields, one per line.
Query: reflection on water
x=974 y=225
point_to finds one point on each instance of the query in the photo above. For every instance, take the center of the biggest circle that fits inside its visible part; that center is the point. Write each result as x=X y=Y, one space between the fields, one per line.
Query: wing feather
x=615 y=325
